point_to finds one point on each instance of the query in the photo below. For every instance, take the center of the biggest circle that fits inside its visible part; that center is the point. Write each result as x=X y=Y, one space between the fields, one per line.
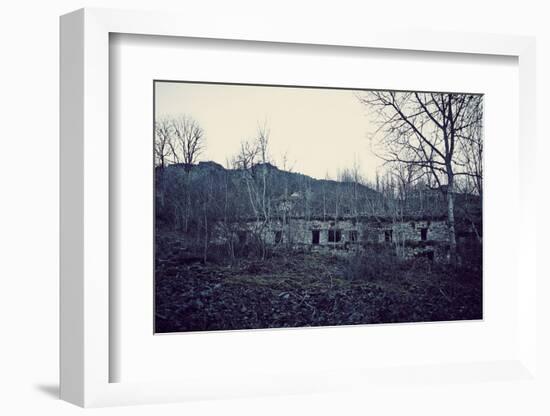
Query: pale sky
x=321 y=130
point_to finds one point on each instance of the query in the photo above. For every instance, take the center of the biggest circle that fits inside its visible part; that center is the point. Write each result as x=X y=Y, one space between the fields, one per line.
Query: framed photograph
x=274 y=212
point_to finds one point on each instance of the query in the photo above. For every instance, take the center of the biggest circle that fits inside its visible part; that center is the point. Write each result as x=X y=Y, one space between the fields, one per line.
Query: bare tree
x=427 y=130
x=187 y=143
x=163 y=151
x=324 y=190
x=285 y=206
x=244 y=161
x=263 y=147
x=164 y=143
x=252 y=162
x=206 y=197
x=189 y=140
x=470 y=155
x=471 y=159
x=353 y=177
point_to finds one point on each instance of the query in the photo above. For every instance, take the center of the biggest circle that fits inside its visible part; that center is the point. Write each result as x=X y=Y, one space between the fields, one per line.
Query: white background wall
x=29 y=56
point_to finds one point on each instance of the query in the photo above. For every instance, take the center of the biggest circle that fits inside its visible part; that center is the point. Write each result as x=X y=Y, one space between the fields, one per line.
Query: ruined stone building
x=411 y=236
x=299 y=212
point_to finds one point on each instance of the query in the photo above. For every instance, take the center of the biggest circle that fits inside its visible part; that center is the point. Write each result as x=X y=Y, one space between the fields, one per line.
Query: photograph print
x=292 y=207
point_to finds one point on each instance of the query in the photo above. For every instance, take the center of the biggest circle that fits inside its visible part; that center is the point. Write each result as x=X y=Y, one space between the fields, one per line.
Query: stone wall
x=410 y=238
x=427 y=238
x=304 y=232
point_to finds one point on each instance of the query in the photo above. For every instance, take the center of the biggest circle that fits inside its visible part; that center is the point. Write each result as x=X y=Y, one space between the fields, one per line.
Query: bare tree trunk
x=187 y=203
x=451 y=221
x=324 y=204
x=161 y=185
x=205 y=235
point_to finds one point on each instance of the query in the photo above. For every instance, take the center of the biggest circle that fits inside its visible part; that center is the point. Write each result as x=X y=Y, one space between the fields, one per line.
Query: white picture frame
x=85 y=164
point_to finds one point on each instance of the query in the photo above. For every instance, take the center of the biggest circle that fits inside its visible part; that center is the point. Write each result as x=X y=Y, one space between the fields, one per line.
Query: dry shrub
x=375 y=262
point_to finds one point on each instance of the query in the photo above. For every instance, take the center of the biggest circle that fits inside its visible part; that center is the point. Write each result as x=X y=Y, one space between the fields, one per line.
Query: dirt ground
x=306 y=289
